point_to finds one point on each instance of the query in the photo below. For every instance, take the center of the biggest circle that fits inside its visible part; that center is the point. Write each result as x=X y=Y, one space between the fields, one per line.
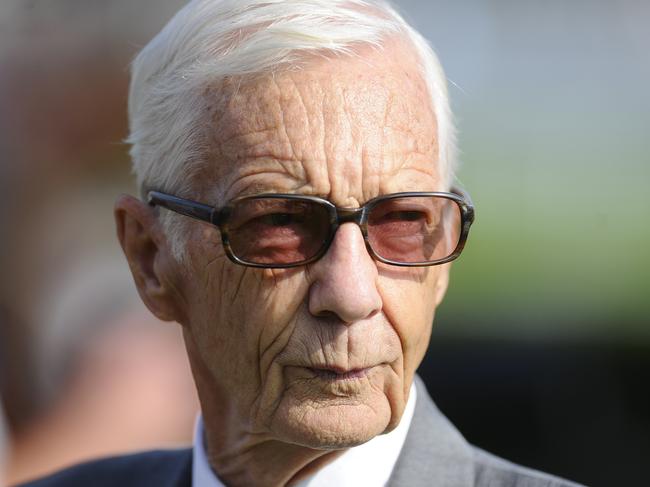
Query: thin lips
x=337 y=370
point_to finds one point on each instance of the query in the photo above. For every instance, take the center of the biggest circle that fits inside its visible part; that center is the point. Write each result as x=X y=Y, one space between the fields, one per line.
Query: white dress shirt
x=369 y=464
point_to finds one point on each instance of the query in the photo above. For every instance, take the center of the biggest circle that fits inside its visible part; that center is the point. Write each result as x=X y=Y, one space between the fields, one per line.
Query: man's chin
x=334 y=424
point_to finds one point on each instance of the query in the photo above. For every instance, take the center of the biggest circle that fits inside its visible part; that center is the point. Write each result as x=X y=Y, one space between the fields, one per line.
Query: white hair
x=211 y=40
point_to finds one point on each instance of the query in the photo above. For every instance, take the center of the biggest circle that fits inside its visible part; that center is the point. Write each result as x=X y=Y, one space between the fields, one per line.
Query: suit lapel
x=434 y=453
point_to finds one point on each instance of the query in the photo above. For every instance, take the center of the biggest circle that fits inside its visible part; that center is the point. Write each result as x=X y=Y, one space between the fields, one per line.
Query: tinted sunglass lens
x=414 y=229
x=277 y=231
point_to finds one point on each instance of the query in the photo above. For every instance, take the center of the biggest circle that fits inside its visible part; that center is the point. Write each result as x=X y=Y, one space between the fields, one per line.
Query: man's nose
x=344 y=280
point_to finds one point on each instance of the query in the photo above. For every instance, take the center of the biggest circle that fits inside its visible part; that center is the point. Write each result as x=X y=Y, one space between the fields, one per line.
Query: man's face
x=321 y=355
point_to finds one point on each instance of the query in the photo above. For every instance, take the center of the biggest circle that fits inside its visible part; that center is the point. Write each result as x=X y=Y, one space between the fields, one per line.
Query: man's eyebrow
x=259 y=187
x=266 y=161
x=255 y=189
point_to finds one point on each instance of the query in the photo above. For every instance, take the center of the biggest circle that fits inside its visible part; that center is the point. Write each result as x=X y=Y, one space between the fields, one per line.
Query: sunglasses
x=288 y=230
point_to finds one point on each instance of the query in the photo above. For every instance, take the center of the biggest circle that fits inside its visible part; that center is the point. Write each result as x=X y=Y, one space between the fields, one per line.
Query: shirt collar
x=369 y=464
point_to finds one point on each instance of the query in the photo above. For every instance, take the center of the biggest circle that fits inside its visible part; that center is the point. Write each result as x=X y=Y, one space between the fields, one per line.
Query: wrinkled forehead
x=346 y=128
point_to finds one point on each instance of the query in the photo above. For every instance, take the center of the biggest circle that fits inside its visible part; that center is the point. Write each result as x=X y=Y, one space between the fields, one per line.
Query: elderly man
x=295 y=159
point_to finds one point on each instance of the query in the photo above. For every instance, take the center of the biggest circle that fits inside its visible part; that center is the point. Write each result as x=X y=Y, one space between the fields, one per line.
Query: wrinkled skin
x=269 y=348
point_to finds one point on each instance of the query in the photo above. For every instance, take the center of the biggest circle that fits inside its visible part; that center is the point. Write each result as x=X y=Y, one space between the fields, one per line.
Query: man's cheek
x=410 y=313
x=280 y=293
x=406 y=302
x=253 y=311
x=281 y=304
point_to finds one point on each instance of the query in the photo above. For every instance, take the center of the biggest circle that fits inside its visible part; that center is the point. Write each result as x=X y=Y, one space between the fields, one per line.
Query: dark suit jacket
x=434 y=454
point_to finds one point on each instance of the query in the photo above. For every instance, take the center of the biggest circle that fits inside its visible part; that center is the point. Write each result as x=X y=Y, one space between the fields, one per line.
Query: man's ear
x=442 y=283
x=147 y=252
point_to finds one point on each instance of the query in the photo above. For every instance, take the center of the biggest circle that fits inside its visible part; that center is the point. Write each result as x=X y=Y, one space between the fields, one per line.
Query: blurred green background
x=553 y=109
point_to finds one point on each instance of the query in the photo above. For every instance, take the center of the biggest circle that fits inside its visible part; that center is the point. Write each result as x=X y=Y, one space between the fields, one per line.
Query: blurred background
x=541 y=351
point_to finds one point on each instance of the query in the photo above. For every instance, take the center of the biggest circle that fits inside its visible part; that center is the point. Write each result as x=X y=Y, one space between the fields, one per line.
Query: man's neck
x=268 y=463
x=264 y=461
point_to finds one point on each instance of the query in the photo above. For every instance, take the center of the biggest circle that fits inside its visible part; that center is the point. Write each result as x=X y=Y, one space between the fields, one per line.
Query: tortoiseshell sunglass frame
x=220 y=216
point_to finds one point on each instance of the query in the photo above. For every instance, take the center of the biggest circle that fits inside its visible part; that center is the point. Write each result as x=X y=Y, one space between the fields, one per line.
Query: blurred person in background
x=101 y=362
x=80 y=355
x=303 y=335
x=78 y=383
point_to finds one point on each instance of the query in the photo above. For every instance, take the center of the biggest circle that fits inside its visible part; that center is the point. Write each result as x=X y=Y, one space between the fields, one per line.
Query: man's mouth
x=336 y=374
